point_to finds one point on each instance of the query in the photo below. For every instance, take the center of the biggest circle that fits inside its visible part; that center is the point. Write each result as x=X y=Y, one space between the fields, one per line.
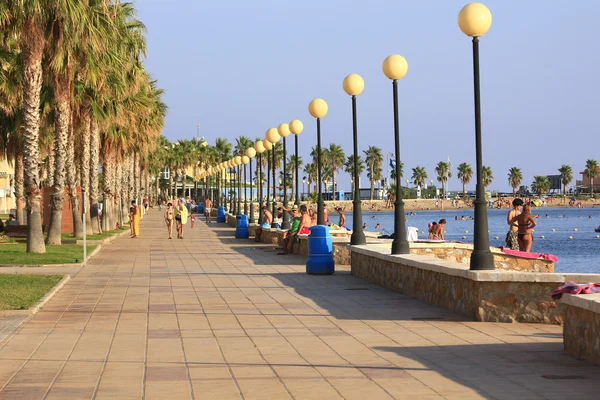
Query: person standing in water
x=512 y=236
x=526 y=224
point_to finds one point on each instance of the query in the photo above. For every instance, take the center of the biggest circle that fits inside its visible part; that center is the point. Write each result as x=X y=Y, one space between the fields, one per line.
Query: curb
x=36 y=307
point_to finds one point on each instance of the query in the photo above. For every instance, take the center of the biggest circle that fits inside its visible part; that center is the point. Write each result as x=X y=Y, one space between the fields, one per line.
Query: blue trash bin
x=221 y=214
x=241 y=227
x=201 y=208
x=320 y=251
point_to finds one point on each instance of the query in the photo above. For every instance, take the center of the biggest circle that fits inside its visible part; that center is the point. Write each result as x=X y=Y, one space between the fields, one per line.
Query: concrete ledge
x=494 y=296
x=581 y=329
x=461 y=253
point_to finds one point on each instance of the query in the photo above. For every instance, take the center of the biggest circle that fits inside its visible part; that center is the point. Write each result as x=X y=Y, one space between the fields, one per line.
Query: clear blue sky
x=239 y=67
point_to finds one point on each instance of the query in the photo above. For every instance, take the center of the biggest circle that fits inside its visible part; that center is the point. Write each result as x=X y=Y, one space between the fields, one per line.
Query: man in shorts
x=267 y=218
x=207 y=209
x=301 y=220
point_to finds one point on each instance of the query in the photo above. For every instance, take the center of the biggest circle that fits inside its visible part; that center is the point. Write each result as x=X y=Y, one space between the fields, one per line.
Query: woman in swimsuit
x=169 y=219
x=525 y=232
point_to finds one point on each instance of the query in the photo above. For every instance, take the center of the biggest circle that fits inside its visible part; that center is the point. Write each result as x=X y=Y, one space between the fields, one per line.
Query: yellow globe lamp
x=353 y=84
x=259 y=147
x=318 y=108
x=296 y=127
x=238 y=160
x=395 y=67
x=283 y=130
x=245 y=160
x=474 y=19
x=273 y=135
x=203 y=144
x=250 y=152
x=267 y=145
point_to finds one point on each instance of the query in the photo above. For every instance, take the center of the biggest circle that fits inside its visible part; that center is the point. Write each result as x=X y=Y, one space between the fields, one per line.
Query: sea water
x=580 y=253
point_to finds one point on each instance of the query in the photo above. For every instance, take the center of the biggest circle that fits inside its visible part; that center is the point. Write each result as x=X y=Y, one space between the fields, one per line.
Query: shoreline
x=376 y=206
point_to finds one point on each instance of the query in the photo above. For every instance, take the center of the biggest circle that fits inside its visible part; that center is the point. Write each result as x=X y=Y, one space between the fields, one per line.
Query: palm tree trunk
x=72 y=184
x=592 y=186
x=136 y=178
x=118 y=193
x=50 y=169
x=131 y=180
x=464 y=191
x=61 y=128
x=85 y=168
x=94 y=161
x=33 y=48
x=20 y=188
x=106 y=190
x=184 y=182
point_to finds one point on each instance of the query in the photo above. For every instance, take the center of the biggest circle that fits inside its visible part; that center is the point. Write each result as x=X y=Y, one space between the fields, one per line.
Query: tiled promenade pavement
x=212 y=317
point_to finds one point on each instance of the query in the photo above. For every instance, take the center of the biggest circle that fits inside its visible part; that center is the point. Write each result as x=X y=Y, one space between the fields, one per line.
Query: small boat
x=597 y=229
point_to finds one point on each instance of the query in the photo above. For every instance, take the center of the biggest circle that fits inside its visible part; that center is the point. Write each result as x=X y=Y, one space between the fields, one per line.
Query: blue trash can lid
x=319 y=230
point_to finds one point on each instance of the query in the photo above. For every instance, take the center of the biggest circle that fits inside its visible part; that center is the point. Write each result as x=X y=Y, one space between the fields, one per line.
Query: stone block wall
x=581 y=330
x=491 y=301
x=461 y=253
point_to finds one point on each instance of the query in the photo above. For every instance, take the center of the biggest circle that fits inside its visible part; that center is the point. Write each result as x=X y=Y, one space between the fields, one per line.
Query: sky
x=239 y=67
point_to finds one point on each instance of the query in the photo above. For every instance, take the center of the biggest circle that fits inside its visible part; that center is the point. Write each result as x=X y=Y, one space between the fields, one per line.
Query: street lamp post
x=268 y=147
x=284 y=132
x=475 y=20
x=303 y=184
x=251 y=153
x=231 y=186
x=245 y=161
x=318 y=109
x=296 y=127
x=354 y=85
x=260 y=148
x=238 y=163
x=395 y=68
x=273 y=137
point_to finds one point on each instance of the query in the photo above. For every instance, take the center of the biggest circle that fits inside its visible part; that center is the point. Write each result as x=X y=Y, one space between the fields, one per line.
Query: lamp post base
x=482 y=260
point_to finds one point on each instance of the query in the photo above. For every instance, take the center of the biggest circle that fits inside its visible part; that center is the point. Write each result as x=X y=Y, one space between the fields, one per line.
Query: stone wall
x=494 y=296
x=581 y=330
x=461 y=253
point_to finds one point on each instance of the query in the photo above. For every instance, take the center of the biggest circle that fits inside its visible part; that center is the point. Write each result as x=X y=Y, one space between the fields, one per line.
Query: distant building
x=555 y=182
x=7 y=198
x=586 y=182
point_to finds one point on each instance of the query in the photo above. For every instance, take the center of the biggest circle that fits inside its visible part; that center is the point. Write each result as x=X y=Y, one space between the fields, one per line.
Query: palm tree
x=487 y=176
x=464 y=173
x=393 y=173
x=310 y=169
x=592 y=170
x=515 y=176
x=540 y=185
x=443 y=173
x=419 y=176
x=349 y=166
x=291 y=163
x=335 y=158
x=566 y=176
x=373 y=159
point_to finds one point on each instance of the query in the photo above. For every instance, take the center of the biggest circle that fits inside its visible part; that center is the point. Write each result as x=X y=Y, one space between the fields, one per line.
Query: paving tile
x=216 y=317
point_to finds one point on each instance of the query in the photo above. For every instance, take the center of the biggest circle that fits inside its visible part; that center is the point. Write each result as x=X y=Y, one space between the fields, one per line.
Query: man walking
x=207 y=209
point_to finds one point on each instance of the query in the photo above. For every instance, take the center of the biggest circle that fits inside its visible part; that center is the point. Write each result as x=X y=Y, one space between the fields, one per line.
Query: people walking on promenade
x=181 y=216
x=134 y=219
x=207 y=209
x=169 y=217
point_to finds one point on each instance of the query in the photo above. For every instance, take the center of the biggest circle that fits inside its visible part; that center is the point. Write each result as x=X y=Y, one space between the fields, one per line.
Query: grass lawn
x=3 y=217
x=19 y=292
x=104 y=235
x=65 y=254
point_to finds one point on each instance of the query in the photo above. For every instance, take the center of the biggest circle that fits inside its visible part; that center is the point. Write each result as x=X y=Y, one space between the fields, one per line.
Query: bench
x=18 y=231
